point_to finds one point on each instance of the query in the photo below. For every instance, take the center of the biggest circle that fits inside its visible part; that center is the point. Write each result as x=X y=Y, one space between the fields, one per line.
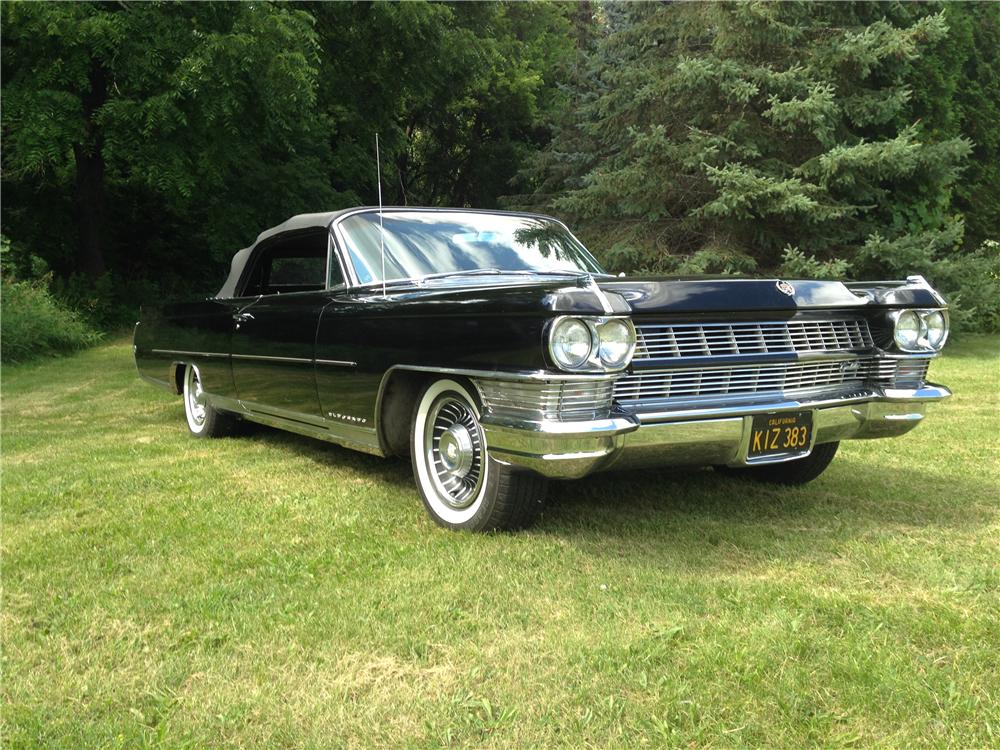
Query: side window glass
x=297 y=271
x=293 y=264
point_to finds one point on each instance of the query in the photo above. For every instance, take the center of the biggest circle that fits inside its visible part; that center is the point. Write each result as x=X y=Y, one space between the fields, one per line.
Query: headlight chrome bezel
x=922 y=344
x=594 y=363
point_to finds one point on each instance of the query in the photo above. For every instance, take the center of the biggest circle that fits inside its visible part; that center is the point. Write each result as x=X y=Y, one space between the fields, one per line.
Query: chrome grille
x=902 y=373
x=662 y=341
x=536 y=401
x=785 y=378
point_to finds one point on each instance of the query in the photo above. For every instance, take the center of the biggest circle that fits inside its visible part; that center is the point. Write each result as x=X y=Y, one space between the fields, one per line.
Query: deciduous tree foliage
x=172 y=129
x=151 y=140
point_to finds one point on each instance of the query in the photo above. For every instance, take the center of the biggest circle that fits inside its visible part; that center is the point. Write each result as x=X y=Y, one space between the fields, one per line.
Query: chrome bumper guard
x=692 y=437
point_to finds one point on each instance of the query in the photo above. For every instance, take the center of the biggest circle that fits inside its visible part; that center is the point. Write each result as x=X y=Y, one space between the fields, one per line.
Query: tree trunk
x=89 y=193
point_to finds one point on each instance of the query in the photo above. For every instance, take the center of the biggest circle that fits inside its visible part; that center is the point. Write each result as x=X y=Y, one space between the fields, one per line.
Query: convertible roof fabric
x=323 y=220
x=294 y=224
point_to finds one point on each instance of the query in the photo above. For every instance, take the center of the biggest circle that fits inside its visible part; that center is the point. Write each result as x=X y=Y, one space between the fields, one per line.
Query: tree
x=956 y=92
x=461 y=94
x=738 y=130
x=151 y=139
x=188 y=111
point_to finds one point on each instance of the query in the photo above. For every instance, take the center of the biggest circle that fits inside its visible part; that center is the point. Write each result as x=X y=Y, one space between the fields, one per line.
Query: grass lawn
x=273 y=591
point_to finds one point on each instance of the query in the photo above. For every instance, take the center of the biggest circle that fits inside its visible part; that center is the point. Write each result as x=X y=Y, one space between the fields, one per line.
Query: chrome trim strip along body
x=182 y=353
x=502 y=374
x=348 y=435
x=718 y=435
x=261 y=357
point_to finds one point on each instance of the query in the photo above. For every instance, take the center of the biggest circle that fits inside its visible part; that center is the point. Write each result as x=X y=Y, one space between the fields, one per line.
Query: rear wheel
x=203 y=419
x=799 y=471
x=461 y=486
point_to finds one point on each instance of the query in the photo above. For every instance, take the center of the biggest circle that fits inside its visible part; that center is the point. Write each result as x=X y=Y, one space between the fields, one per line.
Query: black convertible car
x=493 y=350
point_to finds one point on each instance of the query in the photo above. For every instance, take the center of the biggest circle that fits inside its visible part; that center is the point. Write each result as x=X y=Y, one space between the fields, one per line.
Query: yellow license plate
x=786 y=433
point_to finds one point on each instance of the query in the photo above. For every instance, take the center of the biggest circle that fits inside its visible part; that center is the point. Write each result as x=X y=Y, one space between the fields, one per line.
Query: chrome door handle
x=242 y=317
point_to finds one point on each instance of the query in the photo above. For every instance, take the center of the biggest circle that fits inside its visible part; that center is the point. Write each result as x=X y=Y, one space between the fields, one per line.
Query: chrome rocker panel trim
x=570 y=450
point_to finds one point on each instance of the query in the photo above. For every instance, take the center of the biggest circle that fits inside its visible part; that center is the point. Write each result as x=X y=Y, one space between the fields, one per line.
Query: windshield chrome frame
x=347 y=262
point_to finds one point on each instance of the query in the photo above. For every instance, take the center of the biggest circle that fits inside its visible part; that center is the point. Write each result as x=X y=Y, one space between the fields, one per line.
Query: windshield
x=427 y=243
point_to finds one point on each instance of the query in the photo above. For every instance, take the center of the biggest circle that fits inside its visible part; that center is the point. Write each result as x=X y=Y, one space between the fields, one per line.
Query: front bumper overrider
x=691 y=437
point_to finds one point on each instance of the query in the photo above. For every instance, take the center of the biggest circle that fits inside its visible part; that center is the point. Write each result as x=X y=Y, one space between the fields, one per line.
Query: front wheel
x=461 y=486
x=799 y=471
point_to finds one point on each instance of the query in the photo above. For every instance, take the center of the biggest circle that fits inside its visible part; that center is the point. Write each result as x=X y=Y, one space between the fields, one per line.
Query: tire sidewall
x=197 y=430
x=473 y=516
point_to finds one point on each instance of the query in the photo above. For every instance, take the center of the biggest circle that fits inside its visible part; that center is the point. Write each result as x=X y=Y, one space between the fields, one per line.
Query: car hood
x=734 y=294
x=641 y=296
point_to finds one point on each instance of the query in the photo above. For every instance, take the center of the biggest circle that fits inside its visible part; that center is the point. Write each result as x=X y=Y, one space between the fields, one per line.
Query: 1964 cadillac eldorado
x=493 y=350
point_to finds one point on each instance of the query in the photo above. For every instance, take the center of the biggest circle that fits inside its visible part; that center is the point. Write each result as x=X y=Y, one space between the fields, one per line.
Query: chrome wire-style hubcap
x=454 y=443
x=196 y=397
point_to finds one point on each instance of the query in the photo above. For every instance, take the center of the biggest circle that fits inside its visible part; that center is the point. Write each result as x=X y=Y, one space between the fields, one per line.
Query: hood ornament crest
x=786 y=288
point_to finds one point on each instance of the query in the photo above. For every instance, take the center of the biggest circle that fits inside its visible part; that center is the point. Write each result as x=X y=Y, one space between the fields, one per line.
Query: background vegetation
x=143 y=143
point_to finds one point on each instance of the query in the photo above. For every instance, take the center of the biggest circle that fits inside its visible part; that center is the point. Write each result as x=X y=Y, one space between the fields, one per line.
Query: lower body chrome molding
x=569 y=450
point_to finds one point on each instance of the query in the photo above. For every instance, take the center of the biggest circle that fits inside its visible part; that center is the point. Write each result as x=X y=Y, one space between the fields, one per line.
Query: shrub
x=796 y=264
x=969 y=280
x=34 y=324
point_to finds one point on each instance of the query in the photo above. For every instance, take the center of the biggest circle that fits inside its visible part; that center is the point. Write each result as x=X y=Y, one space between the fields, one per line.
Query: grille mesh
x=678 y=385
x=661 y=341
x=536 y=401
x=685 y=383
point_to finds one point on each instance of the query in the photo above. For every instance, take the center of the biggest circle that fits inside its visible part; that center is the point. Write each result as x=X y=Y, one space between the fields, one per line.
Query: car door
x=274 y=332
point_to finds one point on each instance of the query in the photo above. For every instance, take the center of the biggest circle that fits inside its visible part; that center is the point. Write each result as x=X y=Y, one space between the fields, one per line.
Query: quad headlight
x=571 y=343
x=592 y=344
x=920 y=330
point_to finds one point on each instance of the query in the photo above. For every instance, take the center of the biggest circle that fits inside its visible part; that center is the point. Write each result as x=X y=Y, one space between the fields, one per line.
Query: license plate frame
x=780 y=434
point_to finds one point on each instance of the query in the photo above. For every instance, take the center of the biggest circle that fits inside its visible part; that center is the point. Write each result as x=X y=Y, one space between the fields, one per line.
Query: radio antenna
x=381 y=226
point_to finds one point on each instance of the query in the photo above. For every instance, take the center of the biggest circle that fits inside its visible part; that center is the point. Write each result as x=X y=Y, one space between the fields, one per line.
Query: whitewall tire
x=203 y=420
x=461 y=486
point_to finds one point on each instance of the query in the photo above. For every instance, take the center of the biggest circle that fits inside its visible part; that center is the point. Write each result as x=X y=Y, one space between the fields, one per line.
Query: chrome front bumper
x=715 y=436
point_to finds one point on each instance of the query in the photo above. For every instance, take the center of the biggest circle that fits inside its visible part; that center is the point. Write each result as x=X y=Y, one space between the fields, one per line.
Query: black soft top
x=323 y=220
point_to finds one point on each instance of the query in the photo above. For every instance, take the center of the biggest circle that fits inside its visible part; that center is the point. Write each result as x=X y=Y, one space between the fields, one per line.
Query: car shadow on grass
x=685 y=515
x=392 y=472
x=853 y=497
